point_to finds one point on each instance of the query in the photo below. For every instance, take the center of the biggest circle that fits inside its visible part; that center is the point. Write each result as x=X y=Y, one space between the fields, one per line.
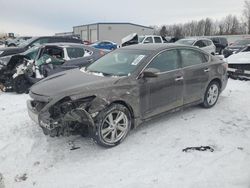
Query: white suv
x=205 y=44
x=150 y=39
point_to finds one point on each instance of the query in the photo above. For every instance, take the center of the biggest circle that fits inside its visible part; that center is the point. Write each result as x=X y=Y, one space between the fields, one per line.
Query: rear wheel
x=211 y=95
x=20 y=84
x=112 y=125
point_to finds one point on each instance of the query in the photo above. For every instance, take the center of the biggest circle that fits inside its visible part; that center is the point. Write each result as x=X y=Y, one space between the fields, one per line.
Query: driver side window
x=200 y=44
x=165 y=61
x=148 y=40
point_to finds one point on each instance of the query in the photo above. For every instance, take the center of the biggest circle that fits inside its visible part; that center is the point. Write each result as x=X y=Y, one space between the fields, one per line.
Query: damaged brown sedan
x=125 y=88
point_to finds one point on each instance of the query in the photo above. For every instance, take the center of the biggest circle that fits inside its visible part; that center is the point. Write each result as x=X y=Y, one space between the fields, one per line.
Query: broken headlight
x=66 y=105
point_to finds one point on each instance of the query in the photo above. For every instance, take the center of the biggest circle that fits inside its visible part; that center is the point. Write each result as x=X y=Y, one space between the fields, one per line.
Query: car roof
x=64 y=44
x=149 y=36
x=154 y=46
x=196 y=38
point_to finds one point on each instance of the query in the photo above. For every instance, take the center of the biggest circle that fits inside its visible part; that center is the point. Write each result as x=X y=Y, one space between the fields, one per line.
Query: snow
x=151 y=156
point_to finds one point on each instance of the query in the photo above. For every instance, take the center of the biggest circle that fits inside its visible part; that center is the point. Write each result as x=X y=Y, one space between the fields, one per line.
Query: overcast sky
x=45 y=17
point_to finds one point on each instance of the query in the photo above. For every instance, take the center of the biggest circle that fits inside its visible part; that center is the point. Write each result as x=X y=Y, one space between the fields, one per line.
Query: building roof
x=106 y=23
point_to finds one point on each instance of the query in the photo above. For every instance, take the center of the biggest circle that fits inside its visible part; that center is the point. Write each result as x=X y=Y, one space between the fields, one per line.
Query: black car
x=124 y=88
x=220 y=42
x=235 y=47
x=18 y=72
x=34 y=42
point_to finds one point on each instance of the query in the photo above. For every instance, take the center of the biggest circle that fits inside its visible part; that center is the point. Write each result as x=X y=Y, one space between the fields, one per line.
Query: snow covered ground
x=151 y=156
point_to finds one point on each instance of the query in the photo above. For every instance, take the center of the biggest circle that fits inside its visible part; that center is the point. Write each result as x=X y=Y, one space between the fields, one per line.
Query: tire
x=20 y=84
x=211 y=95
x=11 y=45
x=109 y=134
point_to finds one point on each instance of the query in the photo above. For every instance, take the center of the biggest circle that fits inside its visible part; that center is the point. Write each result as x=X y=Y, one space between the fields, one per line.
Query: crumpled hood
x=239 y=58
x=11 y=50
x=71 y=82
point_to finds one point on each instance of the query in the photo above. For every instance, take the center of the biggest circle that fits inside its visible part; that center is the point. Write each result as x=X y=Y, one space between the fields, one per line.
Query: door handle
x=179 y=78
x=206 y=70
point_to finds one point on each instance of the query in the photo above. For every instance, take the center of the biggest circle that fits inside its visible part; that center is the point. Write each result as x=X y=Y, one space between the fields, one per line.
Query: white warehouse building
x=110 y=31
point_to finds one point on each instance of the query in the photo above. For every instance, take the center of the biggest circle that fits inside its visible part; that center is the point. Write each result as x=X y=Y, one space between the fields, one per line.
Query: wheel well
x=129 y=108
x=217 y=80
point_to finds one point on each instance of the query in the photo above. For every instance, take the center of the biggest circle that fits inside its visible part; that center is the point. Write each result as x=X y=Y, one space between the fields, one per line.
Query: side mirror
x=150 y=73
x=197 y=46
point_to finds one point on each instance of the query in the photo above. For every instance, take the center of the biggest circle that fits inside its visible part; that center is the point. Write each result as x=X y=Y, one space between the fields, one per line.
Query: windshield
x=241 y=43
x=188 y=42
x=117 y=63
x=31 y=53
x=141 y=38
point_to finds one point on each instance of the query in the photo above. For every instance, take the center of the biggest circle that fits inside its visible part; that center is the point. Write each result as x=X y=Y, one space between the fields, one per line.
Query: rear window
x=157 y=40
x=75 y=52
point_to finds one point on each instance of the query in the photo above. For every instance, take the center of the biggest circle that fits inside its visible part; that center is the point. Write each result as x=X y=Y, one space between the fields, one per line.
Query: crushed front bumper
x=238 y=73
x=63 y=126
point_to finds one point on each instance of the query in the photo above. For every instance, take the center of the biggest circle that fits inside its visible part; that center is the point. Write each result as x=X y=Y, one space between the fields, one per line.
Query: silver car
x=205 y=44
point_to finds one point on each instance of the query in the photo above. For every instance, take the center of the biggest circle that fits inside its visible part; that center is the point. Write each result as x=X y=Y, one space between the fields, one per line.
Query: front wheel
x=112 y=125
x=211 y=95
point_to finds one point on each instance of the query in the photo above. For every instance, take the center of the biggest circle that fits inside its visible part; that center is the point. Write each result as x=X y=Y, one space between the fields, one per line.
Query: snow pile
x=151 y=156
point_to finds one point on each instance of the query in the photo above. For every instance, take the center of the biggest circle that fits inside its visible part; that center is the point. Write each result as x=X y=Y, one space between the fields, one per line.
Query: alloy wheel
x=114 y=127
x=212 y=94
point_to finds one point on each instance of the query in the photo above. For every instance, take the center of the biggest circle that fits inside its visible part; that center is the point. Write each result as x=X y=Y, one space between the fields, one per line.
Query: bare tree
x=208 y=27
x=246 y=14
x=163 y=31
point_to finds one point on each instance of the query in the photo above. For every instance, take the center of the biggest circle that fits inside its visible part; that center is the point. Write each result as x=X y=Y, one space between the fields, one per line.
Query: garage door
x=84 y=34
x=93 y=35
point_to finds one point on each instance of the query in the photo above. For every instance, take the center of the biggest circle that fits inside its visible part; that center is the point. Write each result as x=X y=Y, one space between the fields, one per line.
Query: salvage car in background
x=17 y=41
x=20 y=71
x=236 y=47
x=205 y=44
x=125 y=88
x=220 y=43
x=239 y=64
x=107 y=45
x=35 y=41
x=143 y=39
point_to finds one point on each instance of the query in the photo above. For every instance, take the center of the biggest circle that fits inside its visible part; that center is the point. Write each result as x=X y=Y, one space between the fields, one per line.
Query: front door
x=164 y=92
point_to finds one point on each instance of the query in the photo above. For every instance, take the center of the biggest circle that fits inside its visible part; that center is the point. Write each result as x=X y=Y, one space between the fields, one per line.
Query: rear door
x=196 y=70
x=164 y=92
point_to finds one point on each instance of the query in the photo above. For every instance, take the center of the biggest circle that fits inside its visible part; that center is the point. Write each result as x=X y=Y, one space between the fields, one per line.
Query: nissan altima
x=125 y=88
